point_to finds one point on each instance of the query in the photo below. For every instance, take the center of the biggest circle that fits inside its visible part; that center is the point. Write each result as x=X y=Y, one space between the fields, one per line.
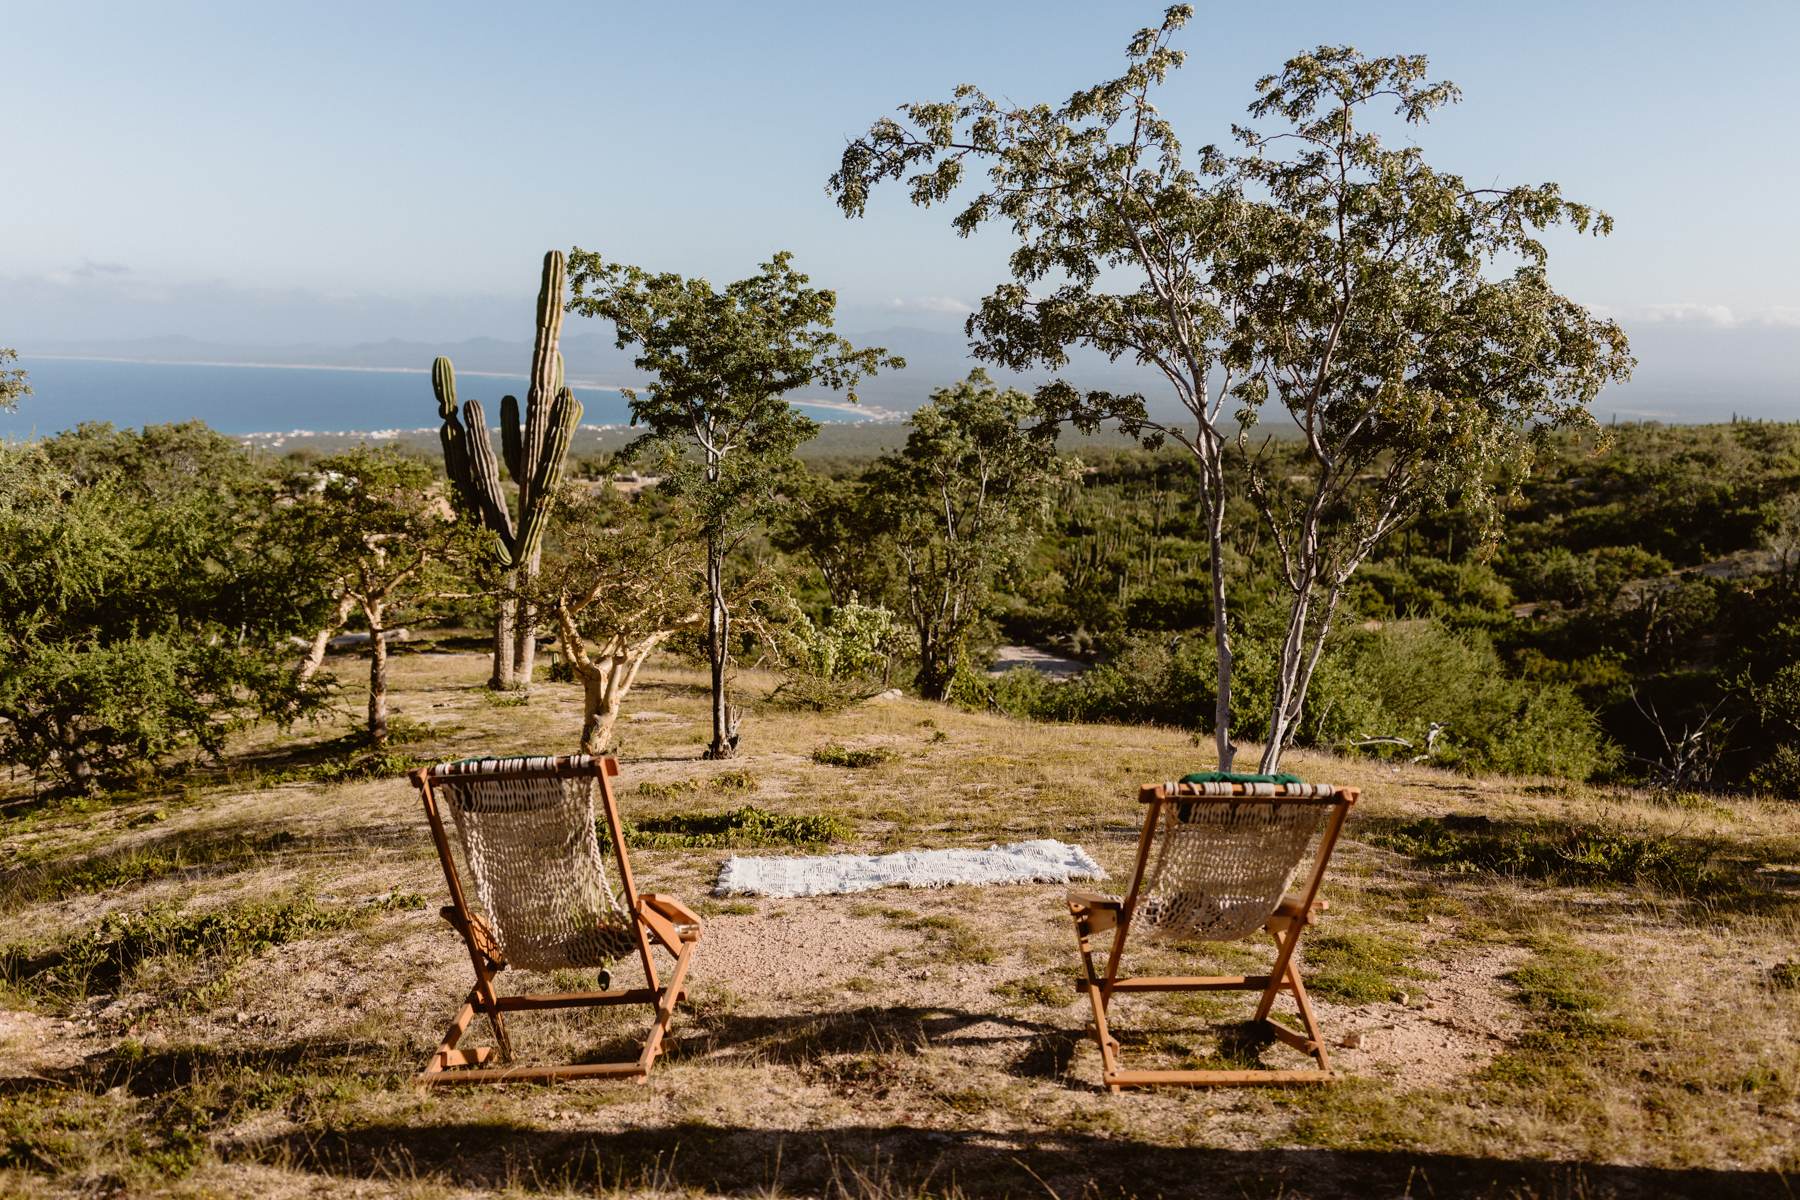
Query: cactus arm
x=452 y=435
x=443 y=383
x=544 y=372
x=484 y=480
x=565 y=416
x=510 y=446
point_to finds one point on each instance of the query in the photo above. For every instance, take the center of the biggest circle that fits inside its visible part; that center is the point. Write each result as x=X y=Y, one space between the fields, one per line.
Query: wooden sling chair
x=543 y=902
x=1214 y=863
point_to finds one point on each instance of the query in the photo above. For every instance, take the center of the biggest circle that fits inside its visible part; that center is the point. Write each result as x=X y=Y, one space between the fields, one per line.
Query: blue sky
x=339 y=172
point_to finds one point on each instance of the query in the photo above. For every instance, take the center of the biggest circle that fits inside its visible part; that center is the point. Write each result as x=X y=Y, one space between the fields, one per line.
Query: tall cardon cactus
x=533 y=452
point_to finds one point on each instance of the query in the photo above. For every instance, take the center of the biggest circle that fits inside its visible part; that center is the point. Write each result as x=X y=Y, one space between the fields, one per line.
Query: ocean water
x=266 y=399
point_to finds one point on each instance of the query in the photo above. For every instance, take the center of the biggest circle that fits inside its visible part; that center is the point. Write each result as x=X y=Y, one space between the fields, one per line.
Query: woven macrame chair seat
x=531 y=847
x=1223 y=863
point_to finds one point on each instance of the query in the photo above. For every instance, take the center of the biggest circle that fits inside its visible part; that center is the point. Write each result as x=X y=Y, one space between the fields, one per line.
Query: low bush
x=1379 y=692
x=831 y=754
x=745 y=826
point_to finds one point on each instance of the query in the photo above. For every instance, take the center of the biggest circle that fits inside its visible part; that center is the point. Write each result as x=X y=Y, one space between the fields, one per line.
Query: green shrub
x=145 y=603
x=1398 y=680
x=1393 y=682
x=831 y=754
x=745 y=826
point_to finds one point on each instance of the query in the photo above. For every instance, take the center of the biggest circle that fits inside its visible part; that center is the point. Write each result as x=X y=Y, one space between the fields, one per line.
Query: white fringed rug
x=1042 y=861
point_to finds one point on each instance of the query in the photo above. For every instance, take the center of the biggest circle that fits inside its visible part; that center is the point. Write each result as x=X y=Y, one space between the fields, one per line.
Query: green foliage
x=854 y=641
x=621 y=578
x=1377 y=691
x=839 y=661
x=721 y=429
x=376 y=529
x=1315 y=272
x=371 y=762
x=834 y=754
x=960 y=506
x=1399 y=681
x=14 y=384
x=146 y=594
x=745 y=826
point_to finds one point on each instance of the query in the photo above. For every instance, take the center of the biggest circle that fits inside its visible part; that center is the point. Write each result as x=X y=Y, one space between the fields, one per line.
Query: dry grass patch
x=1599 y=985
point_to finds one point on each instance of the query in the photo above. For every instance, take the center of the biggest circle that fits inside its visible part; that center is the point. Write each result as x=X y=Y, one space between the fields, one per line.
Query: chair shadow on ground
x=1035 y=1049
x=876 y=1160
x=854 y=1160
x=795 y=1039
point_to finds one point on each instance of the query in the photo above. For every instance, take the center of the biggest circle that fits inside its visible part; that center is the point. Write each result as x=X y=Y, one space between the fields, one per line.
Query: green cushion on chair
x=1237 y=777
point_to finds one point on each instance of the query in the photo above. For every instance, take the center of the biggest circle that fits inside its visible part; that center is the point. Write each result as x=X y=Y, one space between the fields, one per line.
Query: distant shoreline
x=869 y=412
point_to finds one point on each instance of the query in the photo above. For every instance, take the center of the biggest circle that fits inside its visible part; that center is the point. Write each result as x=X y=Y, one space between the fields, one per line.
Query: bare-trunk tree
x=718 y=652
x=378 y=673
x=618 y=583
x=321 y=642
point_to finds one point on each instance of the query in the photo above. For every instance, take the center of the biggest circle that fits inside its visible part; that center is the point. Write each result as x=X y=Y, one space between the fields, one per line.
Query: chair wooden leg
x=1278 y=976
x=1311 y=1022
x=665 y=1009
x=1285 y=977
x=1099 y=996
x=489 y=1002
x=450 y=1064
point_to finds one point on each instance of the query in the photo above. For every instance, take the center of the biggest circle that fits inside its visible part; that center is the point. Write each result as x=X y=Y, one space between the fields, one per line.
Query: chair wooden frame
x=1094 y=914
x=658 y=919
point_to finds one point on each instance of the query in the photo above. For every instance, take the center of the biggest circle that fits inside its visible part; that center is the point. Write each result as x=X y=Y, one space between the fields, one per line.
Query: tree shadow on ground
x=143 y=1072
x=882 y=1160
x=1723 y=876
x=796 y=1039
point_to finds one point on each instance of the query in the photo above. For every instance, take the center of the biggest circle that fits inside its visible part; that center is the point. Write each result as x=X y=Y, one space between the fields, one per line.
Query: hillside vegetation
x=1536 y=988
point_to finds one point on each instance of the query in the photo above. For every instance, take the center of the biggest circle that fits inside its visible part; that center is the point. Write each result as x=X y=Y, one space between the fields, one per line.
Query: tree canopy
x=959 y=506
x=723 y=365
x=1400 y=319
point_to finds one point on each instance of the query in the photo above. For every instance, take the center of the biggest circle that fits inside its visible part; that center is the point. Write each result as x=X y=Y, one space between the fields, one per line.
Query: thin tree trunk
x=378 y=678
x=1213 y=505
x=315 y=654
x=718 y=648
x=1290 y=699
x=596 y=720
x=525 y=633
x=505 y=614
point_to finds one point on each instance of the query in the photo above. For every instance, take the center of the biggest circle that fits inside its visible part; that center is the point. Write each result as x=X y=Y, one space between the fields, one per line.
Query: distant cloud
x=1715 y=316
x=89 y=268
x=943 y=305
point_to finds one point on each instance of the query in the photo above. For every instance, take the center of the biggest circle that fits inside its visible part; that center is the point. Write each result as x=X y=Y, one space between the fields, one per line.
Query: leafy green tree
x=724 y=364
x=963 y=503
x=835 y=524
x=377 y=524
x=145 y=603
x=14 y=385
x=619 y=583
x=1351 y=287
